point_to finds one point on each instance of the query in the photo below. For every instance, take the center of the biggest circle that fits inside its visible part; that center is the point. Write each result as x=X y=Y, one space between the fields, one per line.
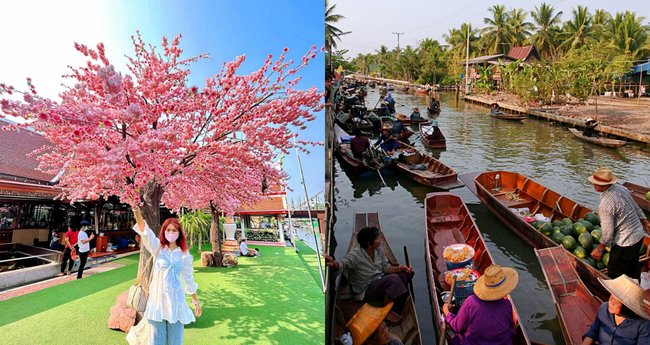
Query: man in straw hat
x=622 y=223
x=621 y=320
x=486 y=316
x=386 y=141
x=590 y=128
x=368 y=328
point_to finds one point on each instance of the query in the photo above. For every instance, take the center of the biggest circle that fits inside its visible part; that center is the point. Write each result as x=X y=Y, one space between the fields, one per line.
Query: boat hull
x=437 y=175
x=638 y=193
x=448 y=221
x=611 y=143
x=538 y=199
x=408 y=328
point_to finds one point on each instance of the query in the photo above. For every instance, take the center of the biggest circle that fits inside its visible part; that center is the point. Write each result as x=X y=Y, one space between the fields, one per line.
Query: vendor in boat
x=486 y=316
x=387 y=141
x=391 y=103
x=398 y=127
x=371 y=278
x=621 y=320
x=359 y=144
x=415 y=115
x=434 y=132
x=435 y=105
x=495 y=109
x=623 y=225
x=367 y=327
x=590 y=128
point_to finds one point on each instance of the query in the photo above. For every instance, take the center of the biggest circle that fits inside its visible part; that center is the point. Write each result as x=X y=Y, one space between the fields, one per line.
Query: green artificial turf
x=273 y=299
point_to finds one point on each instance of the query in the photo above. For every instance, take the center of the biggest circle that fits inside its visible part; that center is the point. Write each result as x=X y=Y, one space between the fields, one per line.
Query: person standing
x=54 y=243
x=623 y=225
x=84 y=247
x=70 y=242
x=167 y=312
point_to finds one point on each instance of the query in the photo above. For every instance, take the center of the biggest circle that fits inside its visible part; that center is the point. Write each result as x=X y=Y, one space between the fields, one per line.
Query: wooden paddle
x=443 y=330
x=406 y=258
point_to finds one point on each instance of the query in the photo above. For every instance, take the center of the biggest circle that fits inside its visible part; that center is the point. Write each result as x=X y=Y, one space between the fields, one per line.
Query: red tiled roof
x=14 y=147
x=271 y=205
x=519 y=53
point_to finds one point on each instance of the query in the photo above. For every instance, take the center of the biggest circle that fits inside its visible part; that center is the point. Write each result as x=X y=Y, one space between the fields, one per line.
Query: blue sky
x=373 y=22
x=38 y=39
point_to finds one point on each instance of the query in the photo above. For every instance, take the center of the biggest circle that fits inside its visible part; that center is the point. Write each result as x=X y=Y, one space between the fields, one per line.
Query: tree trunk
x=215 y=232
x=151 y=196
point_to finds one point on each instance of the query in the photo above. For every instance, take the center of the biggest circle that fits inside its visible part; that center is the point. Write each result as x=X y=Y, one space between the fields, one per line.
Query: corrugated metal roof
x=644 y=67
x=519 y=53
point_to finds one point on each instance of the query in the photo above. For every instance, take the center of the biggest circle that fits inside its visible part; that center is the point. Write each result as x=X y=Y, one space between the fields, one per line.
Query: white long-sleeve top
x=166 y=293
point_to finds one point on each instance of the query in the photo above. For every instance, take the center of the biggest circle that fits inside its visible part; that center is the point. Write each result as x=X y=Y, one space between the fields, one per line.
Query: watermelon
x=643 y=249
x=580 y=252
x=536 y=224
x=592 y=218
x=546 y=229
x=569 y=242
x=558 y=223
x=587 y=224
x=566 y=230
x=647 y=196
x=605 y=259
x=567 y=221
x=556 y=229
x=590 y=261
x=579 y=228
x=557 y=237
x=600 y=265
x=585 y=240
x=596 y=234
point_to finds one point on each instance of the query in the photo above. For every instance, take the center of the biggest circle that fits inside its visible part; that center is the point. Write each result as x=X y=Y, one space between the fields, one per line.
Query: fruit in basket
x=457 y=254
x=462 y=274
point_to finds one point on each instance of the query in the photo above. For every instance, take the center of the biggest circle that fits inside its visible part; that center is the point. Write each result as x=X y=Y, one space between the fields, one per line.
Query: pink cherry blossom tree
x=148 y=137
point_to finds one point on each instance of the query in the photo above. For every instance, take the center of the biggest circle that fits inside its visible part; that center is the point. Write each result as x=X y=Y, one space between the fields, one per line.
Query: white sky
x=373 y=22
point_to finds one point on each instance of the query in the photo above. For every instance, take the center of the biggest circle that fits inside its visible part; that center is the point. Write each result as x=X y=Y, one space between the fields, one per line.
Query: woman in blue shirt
x=621 y=320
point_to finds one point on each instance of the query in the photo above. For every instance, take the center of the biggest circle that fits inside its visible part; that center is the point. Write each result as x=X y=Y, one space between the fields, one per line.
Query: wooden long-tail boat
x=436 y=174
x=358 y=166
x=638 y=193
x=576 y=306
x=538 y=199
x=606 y=142
x=510 y=117
x=422 y=92
x=409 y=121
x=406 y=133
x=408 y=328
x=448 y=221
x=432 y=137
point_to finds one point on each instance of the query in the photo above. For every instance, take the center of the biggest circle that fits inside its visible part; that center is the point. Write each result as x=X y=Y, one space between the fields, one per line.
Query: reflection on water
x=477 y=142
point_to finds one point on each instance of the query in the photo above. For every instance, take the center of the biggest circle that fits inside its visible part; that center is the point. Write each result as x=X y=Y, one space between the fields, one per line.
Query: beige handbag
x=139 y=293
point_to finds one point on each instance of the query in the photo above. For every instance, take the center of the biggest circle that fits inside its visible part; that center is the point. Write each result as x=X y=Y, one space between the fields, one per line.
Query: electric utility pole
x=398 y=34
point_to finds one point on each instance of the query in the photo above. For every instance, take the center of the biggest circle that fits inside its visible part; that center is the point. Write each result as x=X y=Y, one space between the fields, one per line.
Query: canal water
x=476 y=142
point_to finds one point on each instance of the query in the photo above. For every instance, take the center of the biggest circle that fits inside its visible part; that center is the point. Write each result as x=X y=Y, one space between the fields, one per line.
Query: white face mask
x=171 y=236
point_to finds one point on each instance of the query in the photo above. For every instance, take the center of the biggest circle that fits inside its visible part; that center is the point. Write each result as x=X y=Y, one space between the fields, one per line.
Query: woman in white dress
x=167 y=310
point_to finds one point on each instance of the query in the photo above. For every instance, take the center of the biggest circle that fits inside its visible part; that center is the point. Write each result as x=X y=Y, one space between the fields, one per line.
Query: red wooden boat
x=432 y=137
x=408 y=328
x=448 y=221
x=576 y=306
x=407 y=120
x=437 y=174
x=342 y=149
x=493 y=193
x=638 y=193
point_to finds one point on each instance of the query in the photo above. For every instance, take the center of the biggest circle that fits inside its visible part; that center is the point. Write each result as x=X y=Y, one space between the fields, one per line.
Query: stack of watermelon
x=580 y=237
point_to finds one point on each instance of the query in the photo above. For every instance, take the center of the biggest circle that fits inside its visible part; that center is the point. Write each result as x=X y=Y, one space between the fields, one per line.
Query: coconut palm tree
x=518 y=29
x=545 y=38
x=457 y=39
x=496 y=31
x=578 y=29
x=331 y=32
x=628 y=35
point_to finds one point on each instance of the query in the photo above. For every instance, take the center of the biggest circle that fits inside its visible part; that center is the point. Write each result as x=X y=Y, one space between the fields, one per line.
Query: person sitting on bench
x=245 y=251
